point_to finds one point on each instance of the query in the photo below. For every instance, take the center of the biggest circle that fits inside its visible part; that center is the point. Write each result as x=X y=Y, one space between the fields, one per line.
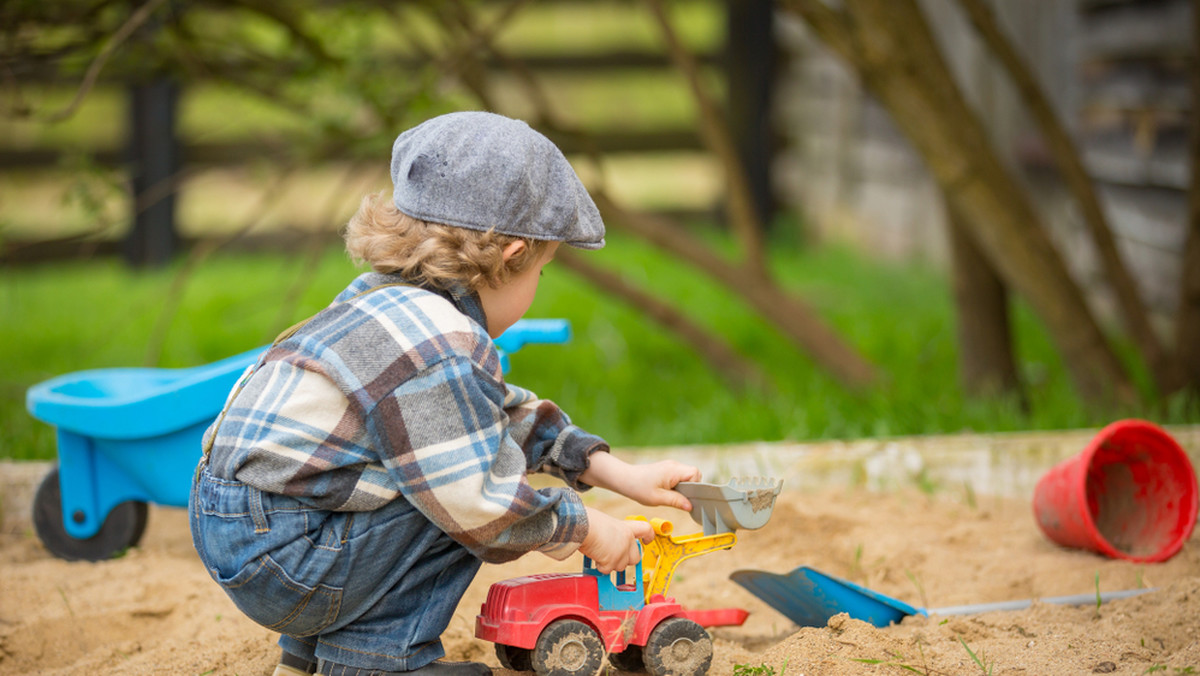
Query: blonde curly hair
x=433 y=254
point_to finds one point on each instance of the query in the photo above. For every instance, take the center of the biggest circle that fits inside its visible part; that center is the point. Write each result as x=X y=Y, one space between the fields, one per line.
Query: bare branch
x=172 y=298
x=715 y=131
x=791 y=315
x=831 y=25
x=733 y=367
x=267 y=199
x=314 y=248
x=544 y=114
x=463 y=59
x=285 y=15
x=135 y=21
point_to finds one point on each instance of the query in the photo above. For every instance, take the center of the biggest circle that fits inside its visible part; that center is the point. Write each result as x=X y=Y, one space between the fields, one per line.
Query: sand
x=155 y=611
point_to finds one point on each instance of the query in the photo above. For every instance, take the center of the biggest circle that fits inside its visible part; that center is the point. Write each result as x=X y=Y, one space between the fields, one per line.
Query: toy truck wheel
x=122 y=528
x=512 y=657
x=567 y=648
x=679 y=647
x=629 y=659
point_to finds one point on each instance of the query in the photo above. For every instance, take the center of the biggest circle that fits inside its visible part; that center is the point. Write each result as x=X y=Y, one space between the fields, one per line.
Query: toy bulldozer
x=563 y=624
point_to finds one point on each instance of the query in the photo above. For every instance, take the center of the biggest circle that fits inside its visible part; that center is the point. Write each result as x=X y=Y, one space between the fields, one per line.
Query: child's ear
x=513 y=249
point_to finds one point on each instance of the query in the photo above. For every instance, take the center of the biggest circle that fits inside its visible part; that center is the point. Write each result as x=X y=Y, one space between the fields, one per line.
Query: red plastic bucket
x=1131 y=494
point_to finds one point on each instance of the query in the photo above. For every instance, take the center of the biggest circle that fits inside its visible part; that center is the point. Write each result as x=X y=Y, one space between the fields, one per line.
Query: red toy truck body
x=562 y=624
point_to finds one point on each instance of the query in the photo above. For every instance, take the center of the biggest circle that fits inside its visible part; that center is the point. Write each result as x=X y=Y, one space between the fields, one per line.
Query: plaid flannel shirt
x=398 y=393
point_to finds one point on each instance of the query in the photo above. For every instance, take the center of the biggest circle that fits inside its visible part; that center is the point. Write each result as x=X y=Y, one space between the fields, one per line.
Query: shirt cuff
x=575 y=456
x=571 y=525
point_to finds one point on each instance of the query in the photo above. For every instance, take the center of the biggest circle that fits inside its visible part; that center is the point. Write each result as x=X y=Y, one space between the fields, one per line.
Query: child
x=374 y=456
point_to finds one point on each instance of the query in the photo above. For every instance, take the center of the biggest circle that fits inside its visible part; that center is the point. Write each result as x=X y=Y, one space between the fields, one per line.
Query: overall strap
x=287 y=333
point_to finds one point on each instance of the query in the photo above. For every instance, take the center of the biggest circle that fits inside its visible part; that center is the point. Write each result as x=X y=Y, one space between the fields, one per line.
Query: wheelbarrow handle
x=527 y=331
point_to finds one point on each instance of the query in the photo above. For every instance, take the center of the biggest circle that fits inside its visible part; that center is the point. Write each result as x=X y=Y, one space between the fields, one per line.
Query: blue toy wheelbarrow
x=127 y=437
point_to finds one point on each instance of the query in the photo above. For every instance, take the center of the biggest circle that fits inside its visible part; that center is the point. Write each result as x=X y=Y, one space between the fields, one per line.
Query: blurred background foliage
x=287 y=113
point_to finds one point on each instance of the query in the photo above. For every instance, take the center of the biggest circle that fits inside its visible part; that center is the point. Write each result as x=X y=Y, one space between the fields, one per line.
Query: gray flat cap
x=484 y=171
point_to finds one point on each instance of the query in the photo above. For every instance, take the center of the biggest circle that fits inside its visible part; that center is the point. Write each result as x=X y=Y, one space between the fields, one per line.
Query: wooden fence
x=155 y=155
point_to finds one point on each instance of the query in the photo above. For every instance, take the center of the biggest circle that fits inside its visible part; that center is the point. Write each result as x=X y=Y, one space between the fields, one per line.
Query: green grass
x=621 y=376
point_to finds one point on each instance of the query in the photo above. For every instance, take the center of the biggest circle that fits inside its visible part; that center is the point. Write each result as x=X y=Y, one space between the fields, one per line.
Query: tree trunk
x=1070 y=164
x=985 y=355
x=889 y=43
x=1187 y=324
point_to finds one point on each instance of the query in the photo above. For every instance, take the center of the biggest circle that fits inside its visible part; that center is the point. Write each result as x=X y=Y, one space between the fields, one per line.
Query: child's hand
x=652 y=484
x=612 y=543
x=649 y=484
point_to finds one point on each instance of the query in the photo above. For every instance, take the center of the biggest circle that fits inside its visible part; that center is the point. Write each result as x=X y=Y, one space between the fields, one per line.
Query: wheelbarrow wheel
x=122 y=528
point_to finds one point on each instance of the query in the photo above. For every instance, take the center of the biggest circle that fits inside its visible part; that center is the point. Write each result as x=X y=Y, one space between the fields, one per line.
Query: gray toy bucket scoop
x=743 y=503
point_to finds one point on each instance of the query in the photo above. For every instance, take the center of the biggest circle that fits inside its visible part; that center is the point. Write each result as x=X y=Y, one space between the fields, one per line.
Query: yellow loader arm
x=661 y=557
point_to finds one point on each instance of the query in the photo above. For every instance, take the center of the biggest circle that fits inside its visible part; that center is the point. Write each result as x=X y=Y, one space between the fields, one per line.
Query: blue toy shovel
x=809 y=598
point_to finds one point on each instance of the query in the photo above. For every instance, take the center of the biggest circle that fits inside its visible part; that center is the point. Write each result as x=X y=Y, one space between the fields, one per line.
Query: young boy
x=374 y=456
